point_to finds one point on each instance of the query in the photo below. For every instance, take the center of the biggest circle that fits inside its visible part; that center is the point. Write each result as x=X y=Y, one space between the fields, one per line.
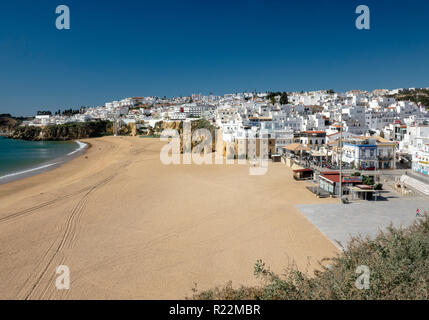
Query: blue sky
x=118 y=49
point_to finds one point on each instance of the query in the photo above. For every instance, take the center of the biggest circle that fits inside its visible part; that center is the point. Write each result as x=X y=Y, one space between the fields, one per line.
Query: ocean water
x=18 y=156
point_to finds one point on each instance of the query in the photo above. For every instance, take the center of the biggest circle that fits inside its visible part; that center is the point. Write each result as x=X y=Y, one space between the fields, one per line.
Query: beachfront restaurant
x=295 y=150
x=330 y=182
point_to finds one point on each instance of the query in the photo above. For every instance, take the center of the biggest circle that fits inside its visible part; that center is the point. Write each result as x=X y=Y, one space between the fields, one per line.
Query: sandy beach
x=129 y=227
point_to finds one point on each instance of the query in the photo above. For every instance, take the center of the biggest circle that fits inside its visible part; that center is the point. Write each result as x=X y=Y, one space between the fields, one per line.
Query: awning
x=295 y=147
x=302 y=170
x=316 y=153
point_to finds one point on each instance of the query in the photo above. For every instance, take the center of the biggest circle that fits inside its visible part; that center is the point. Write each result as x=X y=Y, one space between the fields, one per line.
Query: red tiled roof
x=333 y=134
x=314 y=132
x=336 y=178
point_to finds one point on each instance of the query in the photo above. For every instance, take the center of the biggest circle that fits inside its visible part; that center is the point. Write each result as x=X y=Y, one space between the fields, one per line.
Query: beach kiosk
x=276 y=157
x=329 y=182
x=363 y=192
x=303 y=174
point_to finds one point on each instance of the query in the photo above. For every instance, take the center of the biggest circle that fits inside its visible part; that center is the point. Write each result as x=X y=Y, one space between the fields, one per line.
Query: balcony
x=368 y=158
x=385 y=158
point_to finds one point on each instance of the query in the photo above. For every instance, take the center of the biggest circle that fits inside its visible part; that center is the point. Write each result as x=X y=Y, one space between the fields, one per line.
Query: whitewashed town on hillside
x=378 y=132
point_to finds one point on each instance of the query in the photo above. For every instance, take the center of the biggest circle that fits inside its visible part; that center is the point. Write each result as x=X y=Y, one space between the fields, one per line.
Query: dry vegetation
x=398 y=260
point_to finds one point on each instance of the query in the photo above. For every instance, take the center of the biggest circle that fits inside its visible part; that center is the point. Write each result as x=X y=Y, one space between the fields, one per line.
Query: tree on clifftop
x=284 y=98
x=273 y=95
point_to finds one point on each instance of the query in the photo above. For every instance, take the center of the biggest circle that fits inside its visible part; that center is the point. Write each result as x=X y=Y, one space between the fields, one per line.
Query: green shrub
x=367 y=180
x=378 y=186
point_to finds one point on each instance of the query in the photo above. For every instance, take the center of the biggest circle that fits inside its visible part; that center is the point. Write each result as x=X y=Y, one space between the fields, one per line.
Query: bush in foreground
x=398 y=260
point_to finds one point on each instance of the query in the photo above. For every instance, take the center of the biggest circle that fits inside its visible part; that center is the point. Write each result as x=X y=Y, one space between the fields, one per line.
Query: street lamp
x=341 y=154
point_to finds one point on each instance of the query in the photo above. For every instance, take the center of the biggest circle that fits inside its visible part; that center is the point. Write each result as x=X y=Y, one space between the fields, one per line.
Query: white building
x=421 y=160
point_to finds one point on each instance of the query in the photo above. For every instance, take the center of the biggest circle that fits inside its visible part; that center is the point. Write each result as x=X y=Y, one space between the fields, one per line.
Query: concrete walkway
x=339 y=222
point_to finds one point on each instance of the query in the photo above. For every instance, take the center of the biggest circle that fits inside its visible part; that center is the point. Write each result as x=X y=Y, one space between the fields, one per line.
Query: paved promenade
x=342 y=221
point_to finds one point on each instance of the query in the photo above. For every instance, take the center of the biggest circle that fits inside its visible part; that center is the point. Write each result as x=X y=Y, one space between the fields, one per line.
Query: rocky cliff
x=178 y=125
x=8 y=124
x=64 y=132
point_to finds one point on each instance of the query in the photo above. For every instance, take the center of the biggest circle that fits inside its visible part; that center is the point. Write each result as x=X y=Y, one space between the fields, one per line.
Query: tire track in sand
x=68 y=236
x=31 y=210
